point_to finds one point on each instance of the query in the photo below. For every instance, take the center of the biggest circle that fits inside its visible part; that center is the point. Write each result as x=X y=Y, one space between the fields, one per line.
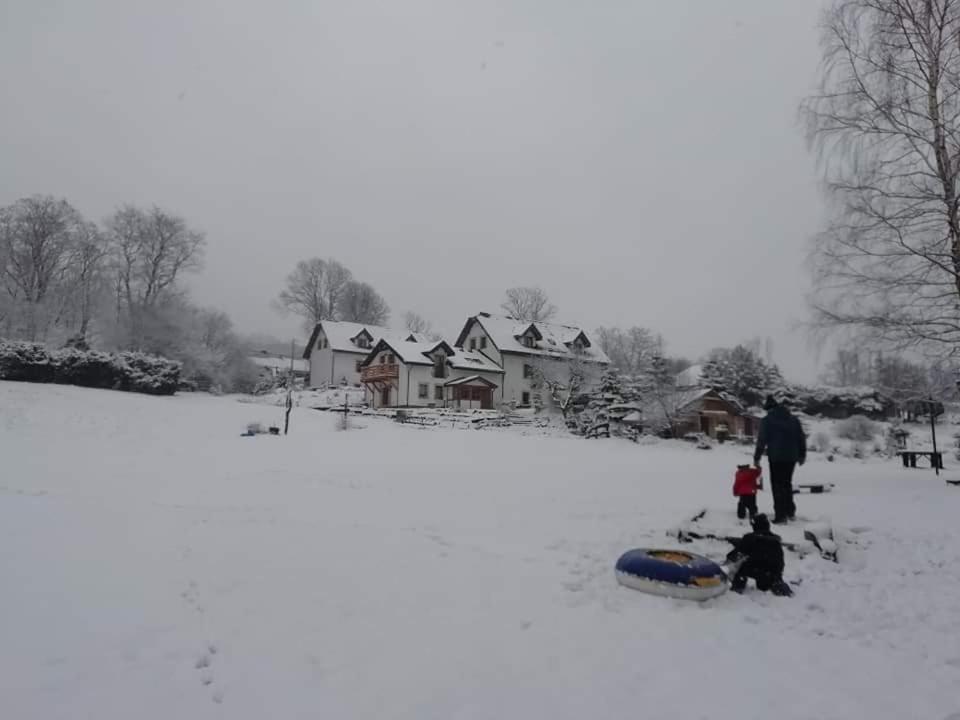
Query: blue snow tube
x=672 y=573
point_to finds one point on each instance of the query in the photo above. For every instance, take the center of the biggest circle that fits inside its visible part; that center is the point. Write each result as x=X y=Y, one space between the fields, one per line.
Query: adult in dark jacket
x=781 y=436
x=760 y=556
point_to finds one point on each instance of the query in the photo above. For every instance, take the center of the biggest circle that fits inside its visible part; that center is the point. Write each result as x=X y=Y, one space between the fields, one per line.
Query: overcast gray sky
x=639 y=160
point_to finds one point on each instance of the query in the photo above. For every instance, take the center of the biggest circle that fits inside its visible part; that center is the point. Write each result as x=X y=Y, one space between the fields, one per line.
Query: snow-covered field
x=155 y=564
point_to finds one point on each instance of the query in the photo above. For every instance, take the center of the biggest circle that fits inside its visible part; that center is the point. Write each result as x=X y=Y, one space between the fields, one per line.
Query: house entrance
x=385 y=397
x=472 y=397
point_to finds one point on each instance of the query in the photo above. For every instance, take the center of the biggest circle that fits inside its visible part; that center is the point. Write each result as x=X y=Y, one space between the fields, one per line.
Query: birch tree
x=885 y=123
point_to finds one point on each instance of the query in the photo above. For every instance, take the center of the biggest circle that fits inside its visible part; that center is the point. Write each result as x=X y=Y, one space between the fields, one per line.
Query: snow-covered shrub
x=857 y=428
x=841 y=403
x=821 y=442
x=134 y=372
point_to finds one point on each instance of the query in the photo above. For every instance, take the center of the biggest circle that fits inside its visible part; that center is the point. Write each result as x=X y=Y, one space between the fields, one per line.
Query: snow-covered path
x=157 y=565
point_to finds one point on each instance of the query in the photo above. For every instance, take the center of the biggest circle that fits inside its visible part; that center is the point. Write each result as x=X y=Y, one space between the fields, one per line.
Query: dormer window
x=529 y=341
x=439 y=365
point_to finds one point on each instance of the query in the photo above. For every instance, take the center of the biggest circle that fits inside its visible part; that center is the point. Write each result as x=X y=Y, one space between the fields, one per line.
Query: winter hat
x=770 y=403
x=761 y=523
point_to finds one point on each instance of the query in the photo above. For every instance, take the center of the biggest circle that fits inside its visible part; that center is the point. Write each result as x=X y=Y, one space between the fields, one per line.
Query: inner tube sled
x=671 y=573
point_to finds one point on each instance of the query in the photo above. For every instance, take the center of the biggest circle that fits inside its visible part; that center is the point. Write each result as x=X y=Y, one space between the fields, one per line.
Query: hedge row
x=133 y=372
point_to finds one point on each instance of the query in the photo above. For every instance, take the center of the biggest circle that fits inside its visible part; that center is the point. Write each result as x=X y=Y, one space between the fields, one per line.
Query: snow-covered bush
x=133 y=372
x=857 y=428
x=821 y=442
x=841 y=403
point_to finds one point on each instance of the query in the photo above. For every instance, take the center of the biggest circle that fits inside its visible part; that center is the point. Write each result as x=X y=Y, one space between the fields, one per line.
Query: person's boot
x=738 y=584
x=779 y=521
x=781 y=589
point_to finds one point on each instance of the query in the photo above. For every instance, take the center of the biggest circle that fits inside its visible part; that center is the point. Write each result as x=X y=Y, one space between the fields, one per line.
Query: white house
x=417 y=374
x=527 y=352
x=337 y=349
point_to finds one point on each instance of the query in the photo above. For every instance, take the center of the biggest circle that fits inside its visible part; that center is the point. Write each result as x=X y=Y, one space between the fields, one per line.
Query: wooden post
x=933 y=435
x=286 y=420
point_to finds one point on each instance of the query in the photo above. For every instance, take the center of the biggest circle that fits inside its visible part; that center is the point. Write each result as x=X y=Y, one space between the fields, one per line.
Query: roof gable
x=342 y=336
x=551 y=339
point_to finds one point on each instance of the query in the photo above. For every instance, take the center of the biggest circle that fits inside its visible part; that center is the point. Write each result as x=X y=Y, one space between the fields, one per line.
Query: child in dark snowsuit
x=746 y=482
x=761 y=557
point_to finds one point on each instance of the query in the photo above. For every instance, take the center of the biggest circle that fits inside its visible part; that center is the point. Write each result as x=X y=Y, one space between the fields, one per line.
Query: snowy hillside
x=157 y=565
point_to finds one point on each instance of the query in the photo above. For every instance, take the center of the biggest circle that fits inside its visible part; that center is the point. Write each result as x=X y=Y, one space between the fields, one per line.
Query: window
x=359 y=365
x=438 y=392
x=423 y=392
x=529 y=341
x=483 y=343
x=473 y=343
x=525 y=398
x=440 y=366
x=528 y=371
x=363 y=342
x=383 y=359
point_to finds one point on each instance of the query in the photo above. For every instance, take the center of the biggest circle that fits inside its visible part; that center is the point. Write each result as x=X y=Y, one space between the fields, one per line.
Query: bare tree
x=151 y=250
x=360 y=303
x=885 y=121
x=37 y=235
x=528 y=304
x=418 y=324
x=630 y=351
x=314 y=290
x=563 y=378
x=87 y=279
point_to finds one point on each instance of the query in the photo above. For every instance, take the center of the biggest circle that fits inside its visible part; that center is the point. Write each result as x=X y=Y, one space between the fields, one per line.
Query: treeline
x=66 y=281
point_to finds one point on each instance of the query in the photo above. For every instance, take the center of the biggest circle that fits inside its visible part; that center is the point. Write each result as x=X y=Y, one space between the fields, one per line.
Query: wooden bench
x=909 y=458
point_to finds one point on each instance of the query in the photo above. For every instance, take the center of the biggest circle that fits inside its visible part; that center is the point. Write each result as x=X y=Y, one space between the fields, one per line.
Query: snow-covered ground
x=155 y=564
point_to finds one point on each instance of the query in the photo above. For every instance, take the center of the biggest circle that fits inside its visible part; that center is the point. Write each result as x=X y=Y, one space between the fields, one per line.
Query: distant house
x=275 y=365
x=526 y=352
x=415 y=374
x=703 y=410
x=336 y=350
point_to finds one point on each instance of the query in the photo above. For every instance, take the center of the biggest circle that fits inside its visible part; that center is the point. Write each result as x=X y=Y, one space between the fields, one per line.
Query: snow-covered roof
x=467 y=360
x=411 y=353
x=550 y=339
x=690 y=377
x=341 y=336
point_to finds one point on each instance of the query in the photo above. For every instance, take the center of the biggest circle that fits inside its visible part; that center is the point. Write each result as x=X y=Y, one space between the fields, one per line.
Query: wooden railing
x=375 y=373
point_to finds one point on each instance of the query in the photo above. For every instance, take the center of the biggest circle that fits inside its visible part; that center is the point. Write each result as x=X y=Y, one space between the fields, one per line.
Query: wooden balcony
x=379 y=373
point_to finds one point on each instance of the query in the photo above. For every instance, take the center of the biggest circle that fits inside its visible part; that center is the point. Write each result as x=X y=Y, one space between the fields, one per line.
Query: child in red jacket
x=745 y=485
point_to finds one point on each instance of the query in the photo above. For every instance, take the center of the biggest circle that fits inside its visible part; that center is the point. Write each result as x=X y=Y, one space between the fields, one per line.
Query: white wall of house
x=523 y=390
x=329 y=367
x=514 y=383
x=411 y=376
